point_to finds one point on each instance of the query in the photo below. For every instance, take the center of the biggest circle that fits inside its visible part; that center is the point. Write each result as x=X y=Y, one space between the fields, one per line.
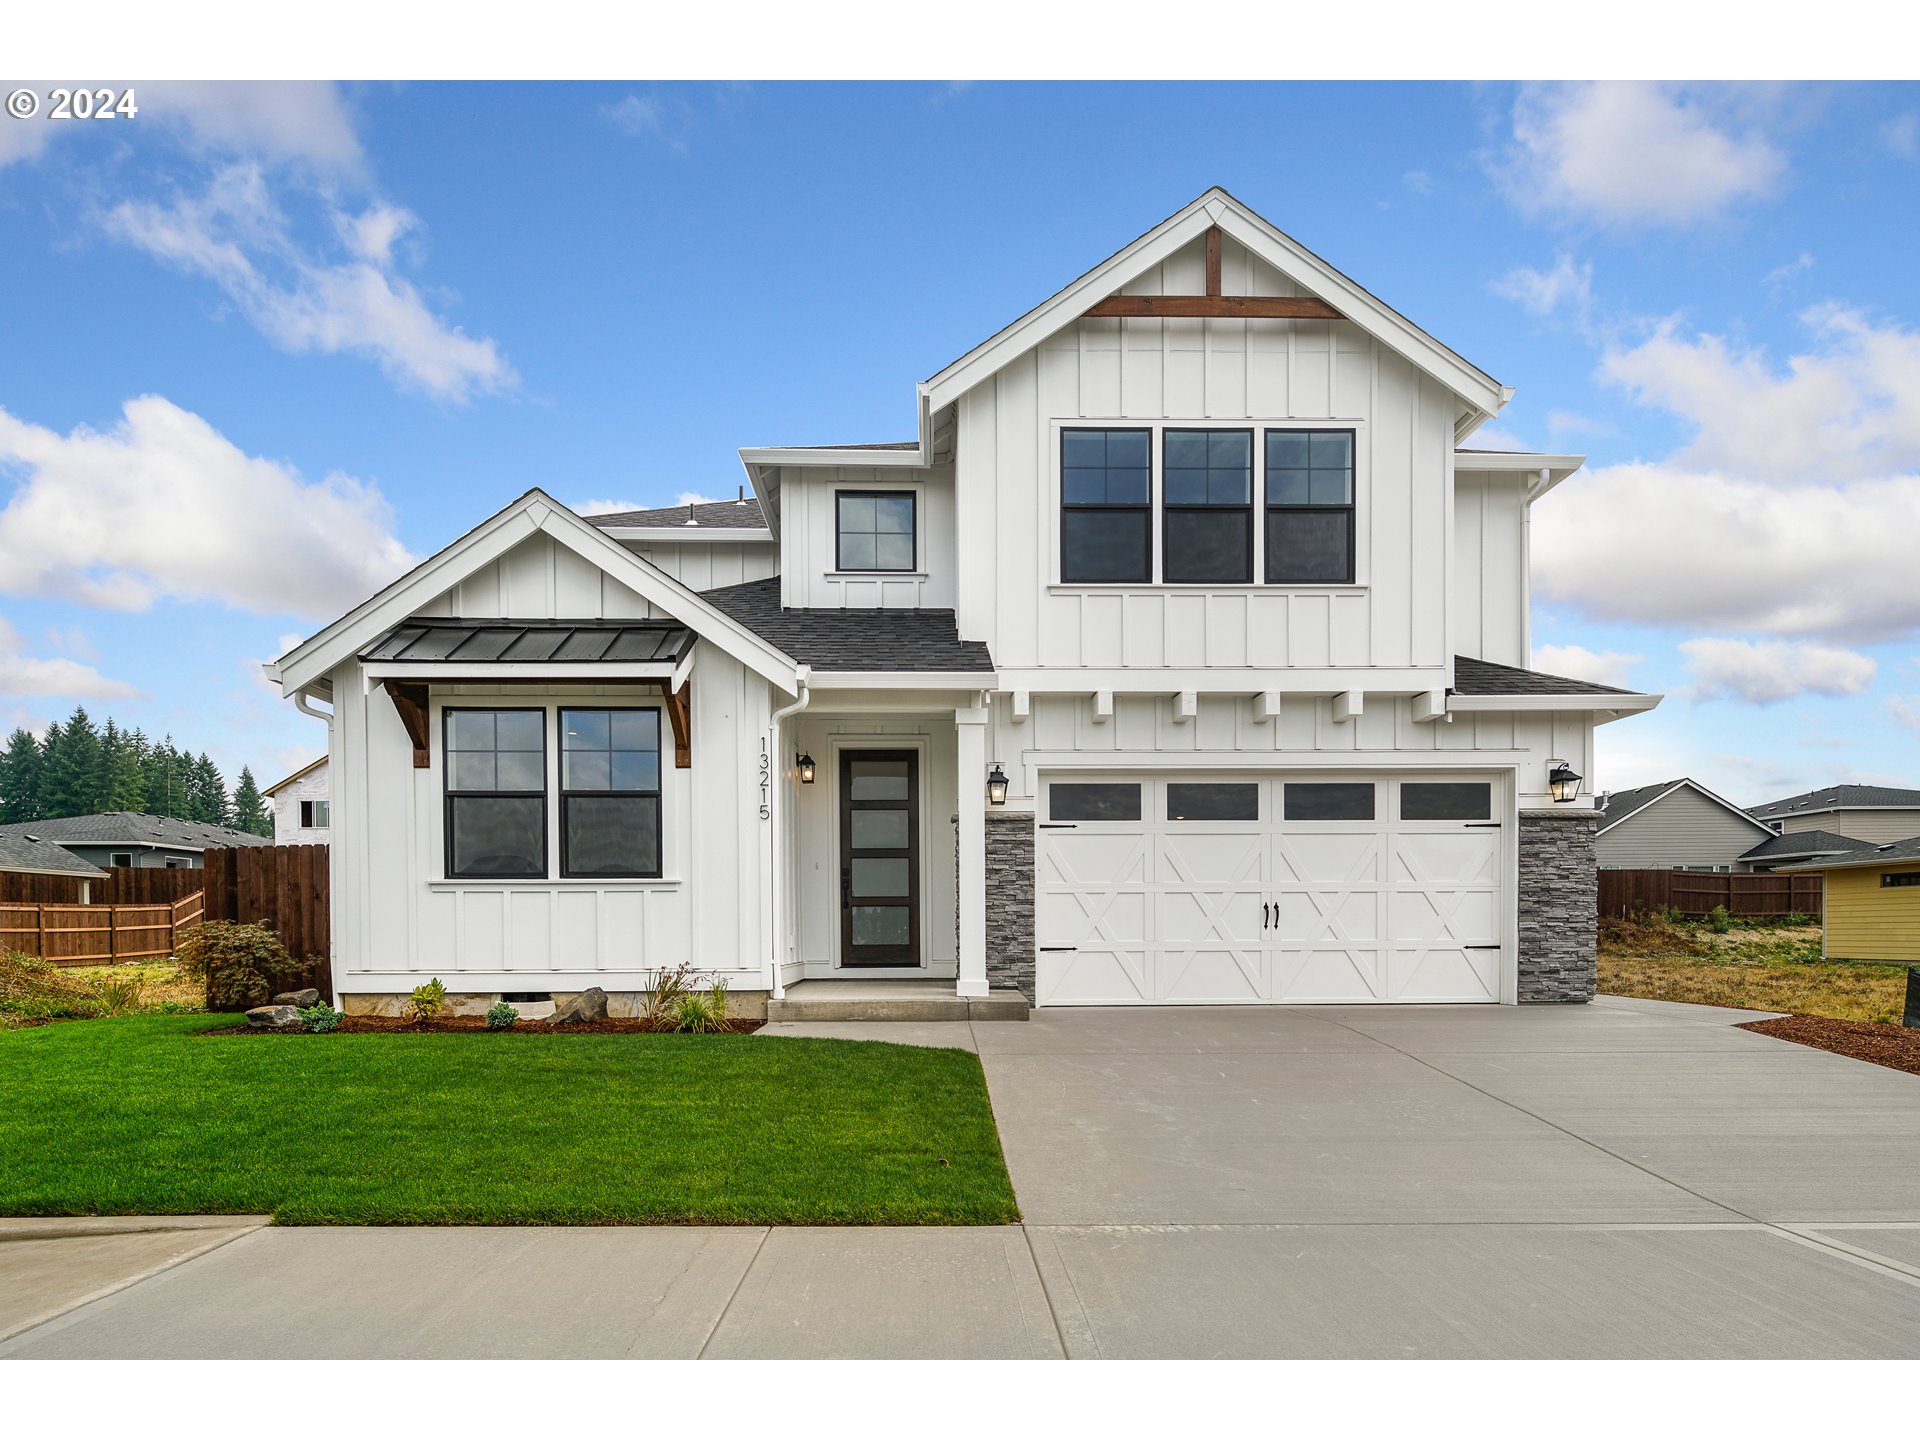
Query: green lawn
x=150 y=1115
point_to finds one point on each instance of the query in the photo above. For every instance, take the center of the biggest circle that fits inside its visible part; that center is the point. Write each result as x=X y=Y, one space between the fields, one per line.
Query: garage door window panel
x=1094 y=802
x=1446 y=800
x=1329 y=800
x=1198 y=801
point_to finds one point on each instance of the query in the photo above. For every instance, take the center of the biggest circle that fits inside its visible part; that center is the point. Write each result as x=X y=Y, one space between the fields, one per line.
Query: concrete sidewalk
x=1627 y=1179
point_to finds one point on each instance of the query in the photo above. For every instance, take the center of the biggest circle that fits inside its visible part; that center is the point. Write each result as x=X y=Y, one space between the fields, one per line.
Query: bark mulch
x=474 y=1025
x=1891 y=1045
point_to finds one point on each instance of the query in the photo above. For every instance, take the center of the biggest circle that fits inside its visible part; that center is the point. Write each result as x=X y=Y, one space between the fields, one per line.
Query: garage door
x=1169 y=890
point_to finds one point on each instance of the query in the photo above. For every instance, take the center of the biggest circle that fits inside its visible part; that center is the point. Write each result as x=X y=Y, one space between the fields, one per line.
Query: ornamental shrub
x=321 y=1018
x=427 y=1001
x=502 y=1016
x=241 y=965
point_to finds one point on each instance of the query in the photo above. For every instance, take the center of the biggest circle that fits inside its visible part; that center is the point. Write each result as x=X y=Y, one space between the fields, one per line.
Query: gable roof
x=829 y=640
x=744 y=514
x=21 y=855
x=1841 y=797
x=1479 y=390
x=1484 y=677
x=1625 y=804
x=1901 y=852
x=533 y=513
x=306 y=769
x=1804 y=842
x=126 y=827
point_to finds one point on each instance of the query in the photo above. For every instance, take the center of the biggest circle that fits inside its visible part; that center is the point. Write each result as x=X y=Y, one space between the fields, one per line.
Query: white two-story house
x=1180 y=658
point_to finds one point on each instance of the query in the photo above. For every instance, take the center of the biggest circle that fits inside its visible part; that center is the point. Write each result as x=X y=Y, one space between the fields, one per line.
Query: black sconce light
x=996 y=785
x=1563 y=781
x=805 y=764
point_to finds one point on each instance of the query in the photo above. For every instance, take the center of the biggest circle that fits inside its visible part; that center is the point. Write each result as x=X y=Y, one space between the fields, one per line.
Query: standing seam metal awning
x=507 y=642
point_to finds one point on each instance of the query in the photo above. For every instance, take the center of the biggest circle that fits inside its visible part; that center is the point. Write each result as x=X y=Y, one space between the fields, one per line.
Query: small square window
x=875 y=530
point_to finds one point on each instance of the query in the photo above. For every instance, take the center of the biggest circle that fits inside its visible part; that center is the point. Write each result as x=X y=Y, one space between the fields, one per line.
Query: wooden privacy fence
x=97 y=934
x=284 y=886
x=120 y=885
x=1697 y=892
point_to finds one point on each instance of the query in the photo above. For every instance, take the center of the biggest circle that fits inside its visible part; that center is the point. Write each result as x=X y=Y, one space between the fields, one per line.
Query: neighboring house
x=24 y=855
x=1675 y=825
x=1179 y=658
x=123 y=838
x=1872 y=903
x=1872 y=813
x=302 y=806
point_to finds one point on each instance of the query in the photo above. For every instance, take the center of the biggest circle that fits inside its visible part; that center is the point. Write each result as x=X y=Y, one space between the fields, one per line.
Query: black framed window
x=496 y=793
x=1310 y=507
x=1106 y=506
x=1206 y=487
x=610 y=793
x=1093 y=800
x=1446 y=800
x=874 y=529
x=1893 y=879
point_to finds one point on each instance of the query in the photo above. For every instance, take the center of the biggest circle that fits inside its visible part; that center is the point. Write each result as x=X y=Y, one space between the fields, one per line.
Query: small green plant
x=699 y=1012
x=176 y=1007
x=664 y=995
x=119 y=994
x=321 y=1018
x=240 y=965
x=1720 y=920
x=501 y=1016
x=427 y=1001
x=1795 y=918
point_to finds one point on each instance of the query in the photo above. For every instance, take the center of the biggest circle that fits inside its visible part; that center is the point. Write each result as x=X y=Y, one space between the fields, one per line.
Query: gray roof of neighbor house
x=18 y=853
x=715 y=515
x=124 y=827
x=508 y=642
x=852 y=639
x=1622 y=803
x=1901 y=852
x=1483 y=677
x=1804 y=842
x=1840 y=797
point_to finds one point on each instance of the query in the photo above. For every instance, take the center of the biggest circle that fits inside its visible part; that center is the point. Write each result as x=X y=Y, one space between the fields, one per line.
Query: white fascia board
x=859 y=459
x=1223 y=680
x=531 y=514
x=1517 y=462
x=904 y=680
x=688 y=534
x=1623 y=704
x=92 y=872
x=1477 y=389
x=452 y=672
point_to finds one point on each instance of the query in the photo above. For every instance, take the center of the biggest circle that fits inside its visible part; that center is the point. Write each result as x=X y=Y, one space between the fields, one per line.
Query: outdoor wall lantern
x=805 y=764
x=1563 y=781
x=996 y=785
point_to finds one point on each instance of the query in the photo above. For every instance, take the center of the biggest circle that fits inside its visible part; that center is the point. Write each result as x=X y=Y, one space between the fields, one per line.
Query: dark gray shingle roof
x=1839 y=797
x=124 y=827
x=852 y=639
x=1901 y=852
x=505 y=642
x=719 y=515
x=19 y=853
x=1483 y=677
x=1803 y=842
x=1622 y=803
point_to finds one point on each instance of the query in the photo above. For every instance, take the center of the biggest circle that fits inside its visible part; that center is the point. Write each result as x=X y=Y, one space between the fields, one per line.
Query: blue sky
x=269 y=341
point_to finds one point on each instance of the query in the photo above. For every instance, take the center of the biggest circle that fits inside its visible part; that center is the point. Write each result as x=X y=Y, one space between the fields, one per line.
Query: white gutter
x=775 y=851
x=305 y=707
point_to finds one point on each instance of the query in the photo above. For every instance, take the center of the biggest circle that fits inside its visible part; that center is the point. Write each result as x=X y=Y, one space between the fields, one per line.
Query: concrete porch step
x=892 y=1000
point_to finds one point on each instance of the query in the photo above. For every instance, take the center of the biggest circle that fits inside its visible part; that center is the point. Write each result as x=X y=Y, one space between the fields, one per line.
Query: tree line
x=81 y=768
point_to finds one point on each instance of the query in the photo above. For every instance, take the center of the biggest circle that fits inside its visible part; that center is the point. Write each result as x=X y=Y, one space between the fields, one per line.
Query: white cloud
x=1493 y=437
x=1603 y=667
x=1669 y=545
x=162 y=506
x=1905 y=710
x=1418 y=182
x=23 y=675
x=604 y=507
x=1778 y=278
x=1847 y=407
x=694 y=497
x=1567 y=287
x=648 y=115
x=237 y=236
x=1569 y=422
x=306 y=121
x=1630 y=152
x=1767 y=671
x=1902 y=135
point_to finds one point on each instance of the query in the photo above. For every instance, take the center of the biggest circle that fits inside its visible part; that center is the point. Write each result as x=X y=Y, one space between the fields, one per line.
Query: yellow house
x=1872 y=902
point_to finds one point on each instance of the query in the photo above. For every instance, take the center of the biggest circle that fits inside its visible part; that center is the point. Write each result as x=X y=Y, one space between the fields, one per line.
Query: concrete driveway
x=1624 y=1179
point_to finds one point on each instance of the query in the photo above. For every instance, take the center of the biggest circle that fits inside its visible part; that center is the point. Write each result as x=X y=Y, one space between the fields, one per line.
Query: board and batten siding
x=1868 y=921
x=809 y=535
x=1490 y=571
x=1239 y=371
x=1223 y=734
x=710 y=564
x=540 y=579
x=1878 y=827
x=1684 y=829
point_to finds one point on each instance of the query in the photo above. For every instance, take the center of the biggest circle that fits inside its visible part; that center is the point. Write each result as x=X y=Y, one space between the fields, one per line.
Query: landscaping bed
x=134 y=1116
x=1879 y=1044
x=476 y=1025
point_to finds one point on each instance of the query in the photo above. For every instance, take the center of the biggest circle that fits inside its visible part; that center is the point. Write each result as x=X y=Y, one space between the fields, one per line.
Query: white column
x=970 y=727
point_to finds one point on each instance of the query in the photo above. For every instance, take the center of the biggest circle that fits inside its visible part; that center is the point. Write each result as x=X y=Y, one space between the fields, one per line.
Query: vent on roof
x=690 y=520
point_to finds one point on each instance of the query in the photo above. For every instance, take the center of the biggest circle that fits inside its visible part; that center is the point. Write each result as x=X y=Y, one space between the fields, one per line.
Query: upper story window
x=496 y=780
x=875 y=529
x=1106 y=495
x=1207 y=481
x=1309 y=507
x=314 y=815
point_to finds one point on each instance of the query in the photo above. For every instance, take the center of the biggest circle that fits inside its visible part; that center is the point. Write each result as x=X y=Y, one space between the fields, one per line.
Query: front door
x=879 y=857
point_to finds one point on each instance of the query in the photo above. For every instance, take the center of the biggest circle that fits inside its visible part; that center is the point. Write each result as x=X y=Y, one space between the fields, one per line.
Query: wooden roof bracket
x=410 y=701
x=680 y=715
x=1213 y=305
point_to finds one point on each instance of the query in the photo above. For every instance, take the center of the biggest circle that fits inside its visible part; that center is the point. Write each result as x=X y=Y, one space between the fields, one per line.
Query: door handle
x=1264 y=907
x=846 y=889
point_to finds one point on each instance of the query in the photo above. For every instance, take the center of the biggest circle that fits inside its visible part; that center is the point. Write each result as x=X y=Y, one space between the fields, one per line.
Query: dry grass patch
x=160 y=981
x=1749 y=967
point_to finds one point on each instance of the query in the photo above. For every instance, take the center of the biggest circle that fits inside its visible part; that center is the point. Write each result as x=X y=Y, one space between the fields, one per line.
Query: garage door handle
x=1050 y=949
x=1479 y=947
x=1483 y=825
x=1057 y=825
x=1264 y=908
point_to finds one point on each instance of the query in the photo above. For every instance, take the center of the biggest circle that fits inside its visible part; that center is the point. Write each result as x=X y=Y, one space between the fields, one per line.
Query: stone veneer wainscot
x=1559 y=907
x=1010 y=901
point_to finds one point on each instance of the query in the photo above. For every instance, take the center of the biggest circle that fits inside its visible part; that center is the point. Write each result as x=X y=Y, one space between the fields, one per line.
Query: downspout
x=305 y=707
x=776 y=817
x=1534 y=491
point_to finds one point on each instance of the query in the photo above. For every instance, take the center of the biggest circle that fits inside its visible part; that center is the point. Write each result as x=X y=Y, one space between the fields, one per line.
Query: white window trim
x=1362 y=491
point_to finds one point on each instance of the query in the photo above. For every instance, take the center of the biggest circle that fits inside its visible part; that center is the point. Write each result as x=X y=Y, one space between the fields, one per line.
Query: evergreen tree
x=206 y=791
x=120 y=787
x=72 y=774
x=249 y=810
x=163 y=780
x=20 y=767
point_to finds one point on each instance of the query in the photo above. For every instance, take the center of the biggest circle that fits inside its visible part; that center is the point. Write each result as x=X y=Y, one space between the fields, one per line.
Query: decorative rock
x=299 y=999
x=274 y=1017
x=589 y=1005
